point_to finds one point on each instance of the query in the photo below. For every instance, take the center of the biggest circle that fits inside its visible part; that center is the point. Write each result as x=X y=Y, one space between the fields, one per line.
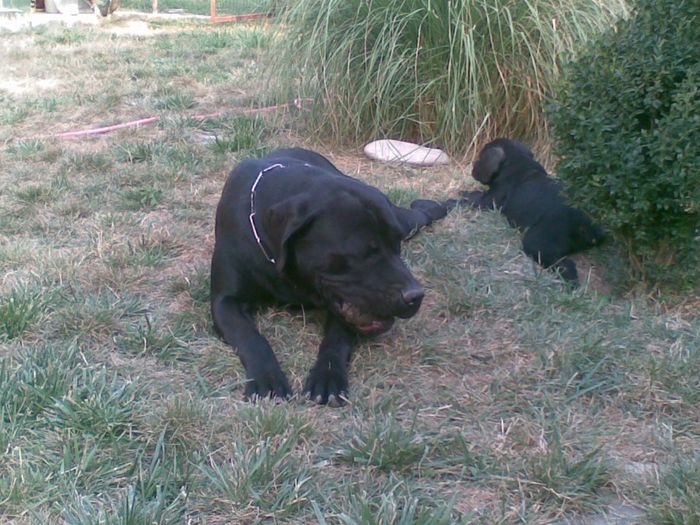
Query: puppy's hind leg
x=566 y=268
x=545 y=251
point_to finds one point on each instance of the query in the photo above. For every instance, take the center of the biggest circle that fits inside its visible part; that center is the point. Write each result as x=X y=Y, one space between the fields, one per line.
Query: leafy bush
x=433 y=71
x=627 y=120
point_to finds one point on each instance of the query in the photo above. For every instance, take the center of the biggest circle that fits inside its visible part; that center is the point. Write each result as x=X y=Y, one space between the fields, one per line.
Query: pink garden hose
x=150 y=120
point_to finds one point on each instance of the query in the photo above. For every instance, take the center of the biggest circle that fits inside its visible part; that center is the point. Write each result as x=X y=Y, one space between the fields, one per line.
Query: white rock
x=399 y=151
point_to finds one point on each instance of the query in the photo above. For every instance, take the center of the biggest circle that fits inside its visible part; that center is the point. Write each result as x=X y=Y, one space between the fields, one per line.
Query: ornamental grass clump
x=431 y=71
x=627 y=120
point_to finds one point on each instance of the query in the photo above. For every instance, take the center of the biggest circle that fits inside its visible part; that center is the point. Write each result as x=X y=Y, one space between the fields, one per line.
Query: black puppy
x=292 y=229
x=534 y=203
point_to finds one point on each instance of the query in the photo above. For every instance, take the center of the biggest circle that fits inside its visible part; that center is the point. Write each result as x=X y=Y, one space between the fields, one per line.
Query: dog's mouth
x=362 y=321
x=377 y=326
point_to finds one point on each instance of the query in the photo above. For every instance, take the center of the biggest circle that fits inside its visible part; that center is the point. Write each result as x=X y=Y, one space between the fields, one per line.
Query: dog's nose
x=413 y=295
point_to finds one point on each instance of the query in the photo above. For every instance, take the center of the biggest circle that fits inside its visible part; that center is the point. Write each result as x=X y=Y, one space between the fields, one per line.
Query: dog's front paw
x=270 y=382
x=327 y=384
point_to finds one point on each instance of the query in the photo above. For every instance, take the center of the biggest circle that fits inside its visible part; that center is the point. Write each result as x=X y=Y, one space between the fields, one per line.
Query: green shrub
x=627 y=123
x=432 y=71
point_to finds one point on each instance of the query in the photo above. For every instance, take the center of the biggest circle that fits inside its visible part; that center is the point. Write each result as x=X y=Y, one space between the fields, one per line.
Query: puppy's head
x=343 y=247
x=587 y=234
x=494 y=155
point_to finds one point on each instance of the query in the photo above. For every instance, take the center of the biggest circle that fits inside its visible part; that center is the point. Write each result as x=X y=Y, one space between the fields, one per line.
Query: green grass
x=555 y=479
x=202 y=7
x=25 y=148
x=676 y=497
x=175 y=101
x=434 y=72
x=392 y=508
x=384 y=444
x=266 y=477
x=19 y=309
x=506 y=399
x=241 y=134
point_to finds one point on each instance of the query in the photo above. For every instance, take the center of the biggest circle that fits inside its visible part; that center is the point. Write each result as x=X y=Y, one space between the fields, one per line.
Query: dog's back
x=305 y=156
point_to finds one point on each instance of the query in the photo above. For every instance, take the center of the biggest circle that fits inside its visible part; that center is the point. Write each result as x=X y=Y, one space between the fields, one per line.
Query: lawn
x=507 y=399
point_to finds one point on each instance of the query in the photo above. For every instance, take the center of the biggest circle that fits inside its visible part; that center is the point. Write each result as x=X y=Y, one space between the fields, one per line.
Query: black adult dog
x=292 y=229
x=532 y=202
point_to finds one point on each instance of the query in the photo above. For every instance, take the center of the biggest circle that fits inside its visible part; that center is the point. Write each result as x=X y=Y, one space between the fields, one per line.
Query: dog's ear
x=489 y=163
x=284 y=220
x=397 y=228
x=370 y=199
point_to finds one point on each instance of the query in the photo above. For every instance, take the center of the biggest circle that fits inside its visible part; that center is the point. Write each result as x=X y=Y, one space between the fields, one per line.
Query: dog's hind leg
x=482 y=200
x=422 y=213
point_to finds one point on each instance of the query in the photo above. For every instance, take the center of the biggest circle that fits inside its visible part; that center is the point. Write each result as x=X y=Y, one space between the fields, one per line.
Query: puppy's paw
x=269 y=384
x=327 y=384
x=566 y=268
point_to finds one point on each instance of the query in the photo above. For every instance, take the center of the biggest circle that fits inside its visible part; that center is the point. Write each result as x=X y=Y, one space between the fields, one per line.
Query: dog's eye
x=337 y=264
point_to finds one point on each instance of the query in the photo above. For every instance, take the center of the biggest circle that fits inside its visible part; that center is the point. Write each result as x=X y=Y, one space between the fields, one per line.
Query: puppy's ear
x=489 y=163
x=521 y=148
x=283 y=221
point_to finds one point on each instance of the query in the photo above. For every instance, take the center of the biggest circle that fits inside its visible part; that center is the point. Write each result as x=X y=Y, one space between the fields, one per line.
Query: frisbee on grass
x=387 y=150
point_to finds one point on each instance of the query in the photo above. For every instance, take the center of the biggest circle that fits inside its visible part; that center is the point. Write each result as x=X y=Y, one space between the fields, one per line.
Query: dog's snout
x=413 y=295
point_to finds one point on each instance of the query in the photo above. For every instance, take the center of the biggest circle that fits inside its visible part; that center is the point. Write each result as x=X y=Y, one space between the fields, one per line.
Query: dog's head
x=343 y=246
x=495 y=155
